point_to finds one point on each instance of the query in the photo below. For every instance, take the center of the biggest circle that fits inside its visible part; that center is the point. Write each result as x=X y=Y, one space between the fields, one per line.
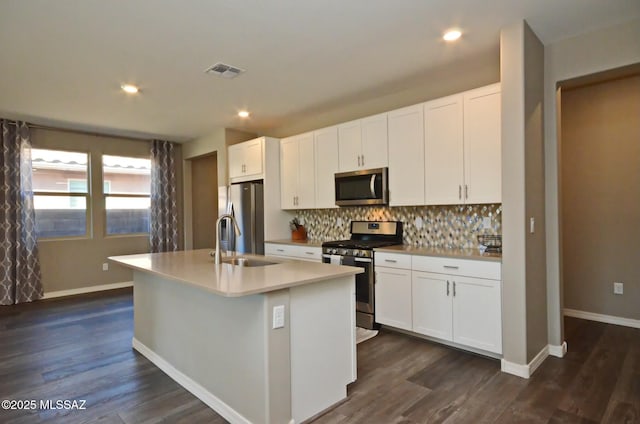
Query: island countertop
x=197 y=268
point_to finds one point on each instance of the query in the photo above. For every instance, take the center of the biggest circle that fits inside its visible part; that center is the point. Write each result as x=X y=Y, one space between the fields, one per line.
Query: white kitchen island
x=211 y=328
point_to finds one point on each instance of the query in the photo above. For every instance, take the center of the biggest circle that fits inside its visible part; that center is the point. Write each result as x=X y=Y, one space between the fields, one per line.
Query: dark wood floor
x=80 y=348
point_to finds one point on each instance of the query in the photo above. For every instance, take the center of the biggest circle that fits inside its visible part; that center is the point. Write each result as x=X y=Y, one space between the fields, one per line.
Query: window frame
x=88 y=233
x=105 y=196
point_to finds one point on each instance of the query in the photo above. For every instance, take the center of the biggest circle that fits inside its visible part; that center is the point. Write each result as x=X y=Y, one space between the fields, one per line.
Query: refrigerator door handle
x=253 y=218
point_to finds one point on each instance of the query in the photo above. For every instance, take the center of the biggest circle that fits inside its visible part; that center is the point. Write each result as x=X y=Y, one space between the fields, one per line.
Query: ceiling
x=62 y=62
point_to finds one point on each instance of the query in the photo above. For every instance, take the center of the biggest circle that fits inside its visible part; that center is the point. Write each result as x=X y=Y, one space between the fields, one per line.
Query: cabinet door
x=235 y=159
x=482 y=145
x=288 y=172
x=350 y=146
x=306 y=172
x=443 y=151
x=253 y=154
x=406 y=156
x=477 y=313
x=432 y=304
x=374 y=142
x=326 y=158
x=393 y=297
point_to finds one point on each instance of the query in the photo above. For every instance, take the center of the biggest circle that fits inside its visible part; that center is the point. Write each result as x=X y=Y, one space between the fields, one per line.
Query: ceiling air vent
x=224 y=71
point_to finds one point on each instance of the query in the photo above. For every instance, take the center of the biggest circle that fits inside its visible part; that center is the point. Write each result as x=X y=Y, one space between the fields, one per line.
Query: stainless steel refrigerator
x=245 y=201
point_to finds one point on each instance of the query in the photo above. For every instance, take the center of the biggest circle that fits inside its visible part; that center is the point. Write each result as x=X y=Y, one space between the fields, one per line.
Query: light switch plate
x=278 y=316
x=105 y=266
x=532 y=225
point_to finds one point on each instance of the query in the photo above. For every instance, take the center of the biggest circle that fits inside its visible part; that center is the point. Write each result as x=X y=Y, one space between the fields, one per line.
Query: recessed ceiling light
x=452 y=35
x=243 y=114
x=129 y=88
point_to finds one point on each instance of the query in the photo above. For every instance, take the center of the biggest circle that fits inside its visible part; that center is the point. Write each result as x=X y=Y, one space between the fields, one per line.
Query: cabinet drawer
x=309 y=253
x=280 y=250
x=393 y=260
x=465 y=267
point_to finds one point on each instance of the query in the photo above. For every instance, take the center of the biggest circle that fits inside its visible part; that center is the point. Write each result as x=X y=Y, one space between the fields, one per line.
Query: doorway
x=600 y=197
x=204 y=200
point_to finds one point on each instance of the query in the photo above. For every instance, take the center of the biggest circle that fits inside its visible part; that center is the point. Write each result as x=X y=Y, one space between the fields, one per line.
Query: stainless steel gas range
x=358 y=251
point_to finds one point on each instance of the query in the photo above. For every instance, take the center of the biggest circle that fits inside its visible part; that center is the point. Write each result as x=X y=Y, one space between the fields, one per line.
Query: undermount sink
x=247 y=262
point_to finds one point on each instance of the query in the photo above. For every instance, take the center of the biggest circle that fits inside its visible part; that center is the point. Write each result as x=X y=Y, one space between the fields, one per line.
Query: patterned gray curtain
x=20 y=279
x=164 y=206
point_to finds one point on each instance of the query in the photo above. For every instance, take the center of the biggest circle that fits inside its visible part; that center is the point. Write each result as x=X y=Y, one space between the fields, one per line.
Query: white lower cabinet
x=292 y=251
x=431 y=305
x=477 y=313
x=419 y=297
x=393 y=297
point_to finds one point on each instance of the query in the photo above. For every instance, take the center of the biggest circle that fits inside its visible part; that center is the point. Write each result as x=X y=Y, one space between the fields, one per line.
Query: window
x=127 y=194
x=61 y=206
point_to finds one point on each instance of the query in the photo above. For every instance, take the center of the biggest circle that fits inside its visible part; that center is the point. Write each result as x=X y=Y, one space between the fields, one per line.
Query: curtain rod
x=74 y=131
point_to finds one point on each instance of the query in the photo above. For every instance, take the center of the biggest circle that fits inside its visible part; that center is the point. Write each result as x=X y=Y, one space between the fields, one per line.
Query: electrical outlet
x=618 y=288
x=278 y=316
x=105 y=266
x=486 y=222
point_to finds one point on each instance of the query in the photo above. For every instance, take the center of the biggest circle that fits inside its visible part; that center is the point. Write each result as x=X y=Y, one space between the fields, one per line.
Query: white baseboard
x=609 y=319
x=227 y=412
x=525 y=371
x=558 y=351
x=90 y=289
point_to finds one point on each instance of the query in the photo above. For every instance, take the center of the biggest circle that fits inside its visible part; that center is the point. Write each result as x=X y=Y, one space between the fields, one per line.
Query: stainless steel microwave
x=366 y=187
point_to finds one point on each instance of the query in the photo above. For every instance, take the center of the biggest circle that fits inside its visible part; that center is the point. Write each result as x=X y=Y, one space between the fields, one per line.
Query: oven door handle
x=363 y=260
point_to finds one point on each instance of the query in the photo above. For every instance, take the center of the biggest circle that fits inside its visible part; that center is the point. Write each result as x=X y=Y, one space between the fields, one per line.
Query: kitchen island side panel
x=322 y=338
x=220 y=343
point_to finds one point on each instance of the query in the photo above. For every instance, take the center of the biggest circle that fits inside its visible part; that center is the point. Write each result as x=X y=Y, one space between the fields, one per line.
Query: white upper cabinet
x=406 y=156
x=306 y=172
x=288 y=172
x=246 y=160
x=349 y=145
x=462 y=148
x=326 y=158
x=446 y=151
x=482 y=145
x=297 y=172
x=363 y=143
x=375 y=142
x=443 y=151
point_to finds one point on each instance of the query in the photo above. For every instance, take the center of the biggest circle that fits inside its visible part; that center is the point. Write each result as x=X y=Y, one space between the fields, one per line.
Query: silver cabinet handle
x=454 y=289
x=447 y=287
x=280 y=250
x=362 y=160
x=459 y=192
x=309 y=253
x=358 y=160
x=393 y=261
x=450 y=267
x=466 y=191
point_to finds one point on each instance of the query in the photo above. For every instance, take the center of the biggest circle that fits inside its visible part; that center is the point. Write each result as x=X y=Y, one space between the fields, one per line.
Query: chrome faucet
x=219 y=230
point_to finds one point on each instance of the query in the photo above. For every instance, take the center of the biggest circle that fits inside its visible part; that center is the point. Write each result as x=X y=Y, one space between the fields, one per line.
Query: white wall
x=596 y=51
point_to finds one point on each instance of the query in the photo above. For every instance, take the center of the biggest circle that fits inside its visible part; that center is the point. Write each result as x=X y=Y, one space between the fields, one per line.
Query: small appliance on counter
x=358 y=251
x=490 y=243
x=245 y=201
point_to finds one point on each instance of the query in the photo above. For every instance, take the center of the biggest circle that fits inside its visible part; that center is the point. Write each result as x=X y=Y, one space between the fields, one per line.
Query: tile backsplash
x=434 y=226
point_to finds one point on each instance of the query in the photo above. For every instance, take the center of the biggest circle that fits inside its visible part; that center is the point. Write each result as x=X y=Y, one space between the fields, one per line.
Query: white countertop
x=474 y=254
x=196 y=268
x=308 y=242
